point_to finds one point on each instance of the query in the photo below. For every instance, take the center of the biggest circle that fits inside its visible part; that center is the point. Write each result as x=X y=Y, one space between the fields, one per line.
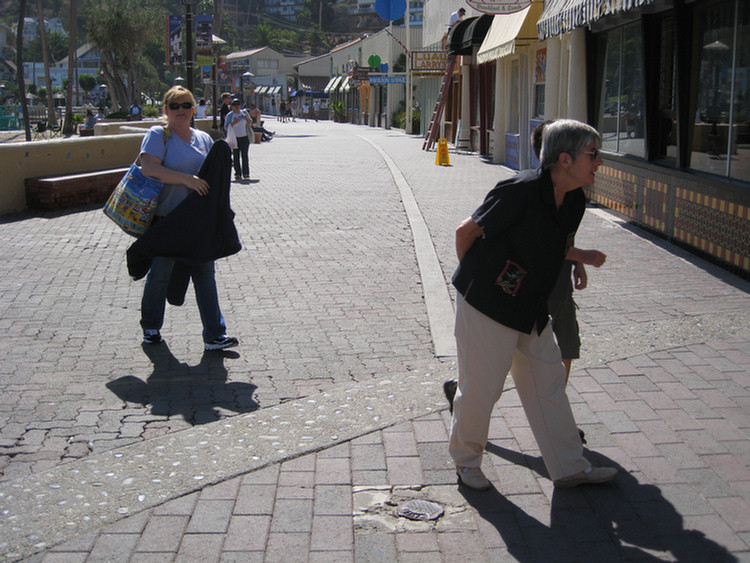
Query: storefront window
x=621 y=115
x=540 y=71
x=721 y=135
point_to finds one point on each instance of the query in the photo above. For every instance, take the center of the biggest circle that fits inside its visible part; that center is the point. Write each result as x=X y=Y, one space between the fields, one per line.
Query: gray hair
x=566 y=136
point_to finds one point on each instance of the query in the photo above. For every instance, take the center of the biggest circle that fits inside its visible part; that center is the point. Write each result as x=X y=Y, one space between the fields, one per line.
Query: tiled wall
x=706 y=216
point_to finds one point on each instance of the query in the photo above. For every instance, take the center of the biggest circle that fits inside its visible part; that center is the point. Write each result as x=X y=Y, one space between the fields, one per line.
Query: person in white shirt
x=456 y=17
x=200 y=110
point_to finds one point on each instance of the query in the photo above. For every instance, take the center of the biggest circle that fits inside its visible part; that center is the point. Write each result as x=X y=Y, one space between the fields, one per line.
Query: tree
x=19 y=69
x=87 y=83
x=265 y=35
x=68 y=126
x=121 y=29
x=51 y=115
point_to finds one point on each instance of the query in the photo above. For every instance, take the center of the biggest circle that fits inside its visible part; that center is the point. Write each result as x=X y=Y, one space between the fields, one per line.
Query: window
x=621 y=114
x=540 y=71
x=667 y=118
x=721 y=135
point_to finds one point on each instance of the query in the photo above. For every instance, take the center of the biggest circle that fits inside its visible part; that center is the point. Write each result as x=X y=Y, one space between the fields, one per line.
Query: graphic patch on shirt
x=511 y=277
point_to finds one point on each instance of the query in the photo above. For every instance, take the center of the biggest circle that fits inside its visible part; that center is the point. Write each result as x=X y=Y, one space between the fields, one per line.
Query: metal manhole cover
x=420 y=510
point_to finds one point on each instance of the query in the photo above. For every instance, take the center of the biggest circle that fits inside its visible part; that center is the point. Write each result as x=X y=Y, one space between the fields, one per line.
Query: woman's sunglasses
x=183 y=105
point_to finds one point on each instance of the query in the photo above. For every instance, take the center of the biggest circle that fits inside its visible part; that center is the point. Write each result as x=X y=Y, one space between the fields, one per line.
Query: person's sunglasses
x=183 y=105
x=593 y=154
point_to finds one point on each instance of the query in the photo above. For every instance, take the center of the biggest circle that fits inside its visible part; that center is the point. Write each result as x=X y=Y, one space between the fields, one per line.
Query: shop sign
x=429 y=61
x=499 y=6
x=387 y=79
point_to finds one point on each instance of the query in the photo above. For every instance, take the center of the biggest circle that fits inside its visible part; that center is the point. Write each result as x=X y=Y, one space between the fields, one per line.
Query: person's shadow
x=622 y=521
x=195 y=392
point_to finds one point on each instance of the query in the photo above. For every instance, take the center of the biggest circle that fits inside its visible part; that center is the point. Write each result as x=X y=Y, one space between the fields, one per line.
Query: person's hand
x=594 y=258
x=197 y=184
x=580 y=278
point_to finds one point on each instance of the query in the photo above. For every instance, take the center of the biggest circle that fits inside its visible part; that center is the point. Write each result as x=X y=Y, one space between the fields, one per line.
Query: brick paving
x=300 y=444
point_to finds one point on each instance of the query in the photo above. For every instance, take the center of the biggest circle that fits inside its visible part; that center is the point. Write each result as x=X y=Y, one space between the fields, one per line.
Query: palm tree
x=19 y=68
x=51 y=115
x=68 y=121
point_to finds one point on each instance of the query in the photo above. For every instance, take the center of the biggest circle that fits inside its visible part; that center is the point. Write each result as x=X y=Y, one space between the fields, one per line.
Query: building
x=666 y=82
x=261 y=75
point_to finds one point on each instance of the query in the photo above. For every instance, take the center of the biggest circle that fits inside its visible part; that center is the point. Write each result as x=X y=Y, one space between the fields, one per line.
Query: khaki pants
x=487 y=350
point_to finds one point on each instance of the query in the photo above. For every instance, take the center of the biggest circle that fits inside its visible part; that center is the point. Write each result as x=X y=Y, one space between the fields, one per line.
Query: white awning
x=505 y=31
x=333 y=84
x=561 y=16
x=345 y=87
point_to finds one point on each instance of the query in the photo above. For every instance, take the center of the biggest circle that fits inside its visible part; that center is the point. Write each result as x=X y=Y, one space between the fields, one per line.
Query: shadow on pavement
x=624 y=521
x=195 y=392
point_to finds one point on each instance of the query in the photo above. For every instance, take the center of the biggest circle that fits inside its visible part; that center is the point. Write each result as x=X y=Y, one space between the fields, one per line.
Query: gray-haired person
x=511 y=250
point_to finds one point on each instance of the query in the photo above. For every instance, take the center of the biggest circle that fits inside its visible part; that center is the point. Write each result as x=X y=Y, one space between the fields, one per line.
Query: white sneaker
x=592 y=476
x=473 y=478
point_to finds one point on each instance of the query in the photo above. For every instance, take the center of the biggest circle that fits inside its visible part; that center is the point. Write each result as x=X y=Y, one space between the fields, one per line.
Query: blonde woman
x=174 y=153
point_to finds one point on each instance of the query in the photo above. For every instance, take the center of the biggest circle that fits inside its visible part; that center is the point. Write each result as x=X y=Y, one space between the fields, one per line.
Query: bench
x=72 y=190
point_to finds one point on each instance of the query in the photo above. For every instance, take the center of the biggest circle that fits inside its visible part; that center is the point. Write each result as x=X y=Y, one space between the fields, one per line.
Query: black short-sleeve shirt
x=509 y=272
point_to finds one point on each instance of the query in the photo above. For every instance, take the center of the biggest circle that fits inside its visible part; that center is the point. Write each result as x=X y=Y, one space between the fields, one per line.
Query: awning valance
x=561 y=16
x=467 y=34
x=501 y=38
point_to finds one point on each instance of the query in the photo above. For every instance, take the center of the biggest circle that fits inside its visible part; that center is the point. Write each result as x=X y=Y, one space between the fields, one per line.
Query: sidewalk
x=301 y=444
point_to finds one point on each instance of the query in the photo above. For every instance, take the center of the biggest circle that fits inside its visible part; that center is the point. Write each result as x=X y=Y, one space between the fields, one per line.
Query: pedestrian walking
x=174 y=154
x=511 y=250
x=238 y=119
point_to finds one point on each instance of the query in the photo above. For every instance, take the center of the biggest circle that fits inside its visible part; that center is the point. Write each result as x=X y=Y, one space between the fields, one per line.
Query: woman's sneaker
x=222 y=342
x=151 y=336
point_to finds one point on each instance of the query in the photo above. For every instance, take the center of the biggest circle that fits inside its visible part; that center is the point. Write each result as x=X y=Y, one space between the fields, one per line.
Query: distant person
x=90 y=120
x=257 y=123
x=282 y=111
x=306 y=110
x=200 y=111
x=136 y=111
x=511 y=250
x=316 y=110
x=226 y=100
x=456 y=17
x=238 y=119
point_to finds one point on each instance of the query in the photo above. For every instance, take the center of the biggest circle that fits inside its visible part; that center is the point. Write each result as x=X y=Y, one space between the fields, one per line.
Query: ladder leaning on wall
x=437 y=114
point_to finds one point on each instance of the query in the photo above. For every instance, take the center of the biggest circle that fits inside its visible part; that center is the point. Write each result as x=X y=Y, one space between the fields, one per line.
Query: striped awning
x=345 y=86
x=274 y=90
x=561 y=16
x=467 y=34
x=333 y=84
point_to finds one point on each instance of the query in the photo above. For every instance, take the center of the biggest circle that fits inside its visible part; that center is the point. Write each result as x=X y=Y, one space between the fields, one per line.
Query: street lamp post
x=189 y=53
x=244 y=76
x=216 y=44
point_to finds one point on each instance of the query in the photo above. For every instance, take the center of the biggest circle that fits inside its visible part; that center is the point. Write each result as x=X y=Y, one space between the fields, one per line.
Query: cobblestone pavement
x=300 y=444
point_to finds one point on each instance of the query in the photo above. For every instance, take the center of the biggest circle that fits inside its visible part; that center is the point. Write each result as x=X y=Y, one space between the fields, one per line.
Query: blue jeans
x=155 y=297
x=240 y=153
